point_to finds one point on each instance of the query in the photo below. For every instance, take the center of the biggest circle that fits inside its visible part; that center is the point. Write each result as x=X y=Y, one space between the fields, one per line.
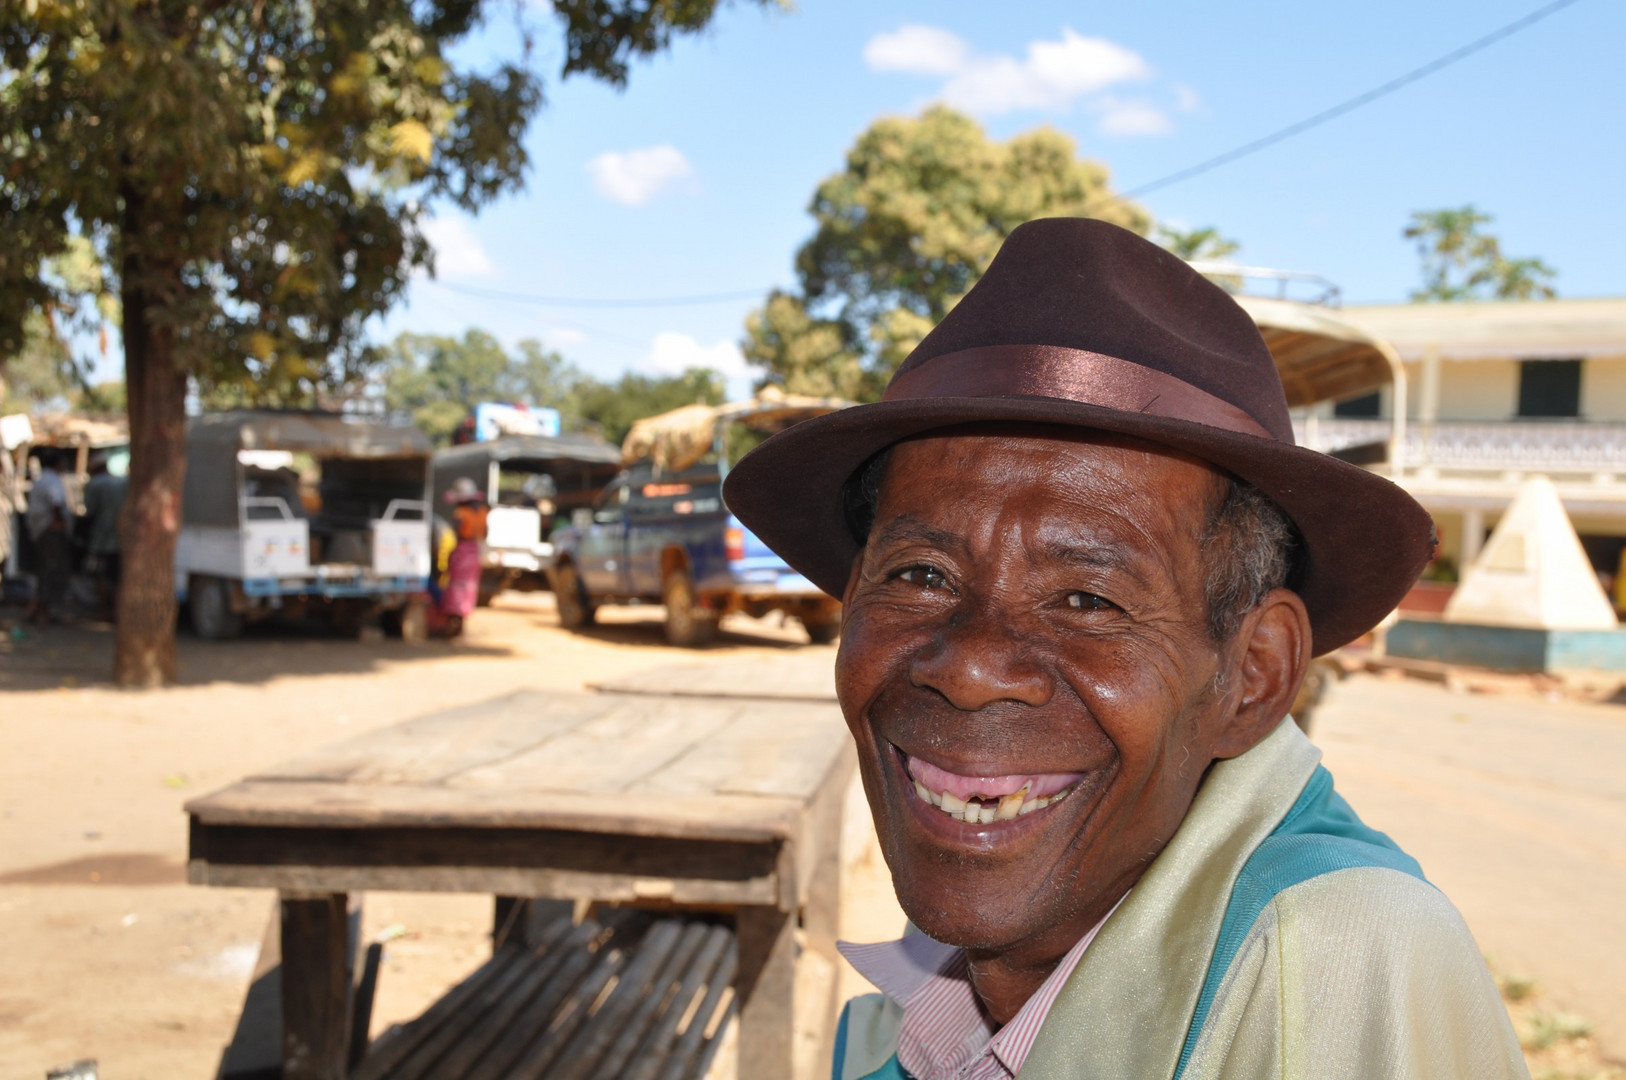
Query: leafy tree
x=40 y=375
x=612 y=407
x=902 y=233
x=251 y=177
x=435 y=379
x=1197 y=244
x=1460 y=262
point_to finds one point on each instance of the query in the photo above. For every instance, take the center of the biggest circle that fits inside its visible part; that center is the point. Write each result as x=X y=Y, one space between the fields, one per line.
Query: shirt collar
x=944 y=1026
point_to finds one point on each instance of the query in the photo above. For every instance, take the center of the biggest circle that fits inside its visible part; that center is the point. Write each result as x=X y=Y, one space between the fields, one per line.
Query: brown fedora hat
x=1085 y=324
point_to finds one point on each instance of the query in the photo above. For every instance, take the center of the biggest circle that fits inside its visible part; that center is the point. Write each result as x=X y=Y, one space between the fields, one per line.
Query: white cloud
x=1132 y=117
x=633 y=177
x=917 y=49
x=458 y=253
x=1051 y=75
x=1186 y=99
x=672 y=353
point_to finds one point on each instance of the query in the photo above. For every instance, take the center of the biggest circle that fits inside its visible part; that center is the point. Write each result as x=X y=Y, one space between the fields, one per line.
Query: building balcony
x=1583 y=450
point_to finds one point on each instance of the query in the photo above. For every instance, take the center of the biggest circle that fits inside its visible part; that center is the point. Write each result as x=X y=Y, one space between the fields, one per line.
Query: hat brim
x=1365 y=540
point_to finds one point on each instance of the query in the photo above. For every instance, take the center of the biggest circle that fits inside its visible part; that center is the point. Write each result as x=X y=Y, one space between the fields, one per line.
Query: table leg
x=766 y=990
x=821 y=917
x=509 y=919
x=315 y=986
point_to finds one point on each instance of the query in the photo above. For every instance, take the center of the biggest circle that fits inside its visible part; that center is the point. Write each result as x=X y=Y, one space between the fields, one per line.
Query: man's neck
x=1005 y=979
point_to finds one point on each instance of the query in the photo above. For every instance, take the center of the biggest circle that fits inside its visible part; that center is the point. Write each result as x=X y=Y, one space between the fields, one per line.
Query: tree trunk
x=144 y=647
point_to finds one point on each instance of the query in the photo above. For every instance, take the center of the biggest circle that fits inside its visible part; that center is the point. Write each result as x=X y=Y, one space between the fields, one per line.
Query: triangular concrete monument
x=1533 y=572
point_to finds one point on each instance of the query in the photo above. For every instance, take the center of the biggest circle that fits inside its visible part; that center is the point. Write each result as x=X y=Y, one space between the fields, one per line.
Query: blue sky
x=696 y=178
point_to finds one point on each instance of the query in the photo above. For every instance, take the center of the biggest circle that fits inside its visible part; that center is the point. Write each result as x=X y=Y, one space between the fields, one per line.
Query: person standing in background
x=48 y=518
x=458 y=566
x=104 y=501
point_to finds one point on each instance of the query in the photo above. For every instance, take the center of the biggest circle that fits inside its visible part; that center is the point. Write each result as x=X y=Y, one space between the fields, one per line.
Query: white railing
x=1507 y=446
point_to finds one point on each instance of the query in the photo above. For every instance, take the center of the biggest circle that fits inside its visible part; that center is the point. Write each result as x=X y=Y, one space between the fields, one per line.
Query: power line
x=1351 y=104
x=1245 y=150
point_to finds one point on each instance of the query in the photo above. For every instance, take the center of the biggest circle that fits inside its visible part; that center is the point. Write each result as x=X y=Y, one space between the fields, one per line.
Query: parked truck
x=660 y=533
x=529 y=481
x=303 y=514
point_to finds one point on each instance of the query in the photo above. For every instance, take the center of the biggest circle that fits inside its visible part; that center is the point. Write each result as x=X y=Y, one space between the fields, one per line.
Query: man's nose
x=979 y=660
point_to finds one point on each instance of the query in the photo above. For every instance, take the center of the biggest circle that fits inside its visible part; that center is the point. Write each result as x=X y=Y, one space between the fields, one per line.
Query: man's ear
x=1271 y=654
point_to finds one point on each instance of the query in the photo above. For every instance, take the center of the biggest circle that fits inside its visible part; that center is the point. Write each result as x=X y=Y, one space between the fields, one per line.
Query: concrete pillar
x=1473 y=537
x=1428 y=403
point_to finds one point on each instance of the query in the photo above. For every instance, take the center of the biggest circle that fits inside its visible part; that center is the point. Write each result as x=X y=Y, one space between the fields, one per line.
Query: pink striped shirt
x=946 y=1035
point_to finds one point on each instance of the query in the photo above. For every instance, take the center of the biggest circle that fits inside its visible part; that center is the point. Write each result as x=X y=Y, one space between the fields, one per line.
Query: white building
x=1493 y=392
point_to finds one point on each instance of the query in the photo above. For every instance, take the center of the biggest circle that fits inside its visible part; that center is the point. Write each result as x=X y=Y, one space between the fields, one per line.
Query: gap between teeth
x=986 y=812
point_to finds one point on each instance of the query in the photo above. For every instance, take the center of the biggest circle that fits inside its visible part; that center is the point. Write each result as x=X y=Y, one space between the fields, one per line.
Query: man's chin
x=983 y=920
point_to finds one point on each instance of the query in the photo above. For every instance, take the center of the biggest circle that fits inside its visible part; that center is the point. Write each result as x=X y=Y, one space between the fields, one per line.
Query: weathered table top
x=799 y=676
x=603 y=795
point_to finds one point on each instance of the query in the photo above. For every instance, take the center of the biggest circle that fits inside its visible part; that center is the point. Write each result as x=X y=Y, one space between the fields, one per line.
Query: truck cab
x=661 y=533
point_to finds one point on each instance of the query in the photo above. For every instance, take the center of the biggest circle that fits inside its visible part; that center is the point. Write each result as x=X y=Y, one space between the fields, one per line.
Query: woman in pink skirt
x=458 y=560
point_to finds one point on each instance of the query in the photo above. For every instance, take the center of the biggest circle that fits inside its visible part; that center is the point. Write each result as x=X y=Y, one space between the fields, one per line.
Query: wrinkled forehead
x=1094 y=485
x=1066 y=461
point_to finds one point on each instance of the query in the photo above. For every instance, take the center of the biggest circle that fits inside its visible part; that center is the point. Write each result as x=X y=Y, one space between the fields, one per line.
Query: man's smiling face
x=1027 y=668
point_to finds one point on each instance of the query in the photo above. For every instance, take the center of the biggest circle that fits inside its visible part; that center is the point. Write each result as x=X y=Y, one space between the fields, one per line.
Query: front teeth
x=977 y=812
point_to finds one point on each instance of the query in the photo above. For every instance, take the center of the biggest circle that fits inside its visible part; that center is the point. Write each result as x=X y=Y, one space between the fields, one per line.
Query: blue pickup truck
x=665 y=537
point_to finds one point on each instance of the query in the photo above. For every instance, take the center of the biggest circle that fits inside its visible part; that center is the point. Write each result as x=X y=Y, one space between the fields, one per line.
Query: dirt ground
x=109 y=954
x=1516 y=807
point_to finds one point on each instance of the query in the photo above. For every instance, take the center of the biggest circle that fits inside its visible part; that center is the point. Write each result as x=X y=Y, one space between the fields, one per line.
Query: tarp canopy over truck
x=678 y=439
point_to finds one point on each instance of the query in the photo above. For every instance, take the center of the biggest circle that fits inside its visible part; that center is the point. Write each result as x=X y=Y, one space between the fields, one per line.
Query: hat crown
x=1078 y=283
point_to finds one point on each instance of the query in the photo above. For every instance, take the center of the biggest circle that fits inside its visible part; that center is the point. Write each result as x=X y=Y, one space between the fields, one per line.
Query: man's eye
x=927 y=577
x=1090 y=602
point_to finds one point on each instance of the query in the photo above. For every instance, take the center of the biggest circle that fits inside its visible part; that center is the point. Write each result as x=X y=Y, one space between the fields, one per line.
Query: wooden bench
x=627 y=995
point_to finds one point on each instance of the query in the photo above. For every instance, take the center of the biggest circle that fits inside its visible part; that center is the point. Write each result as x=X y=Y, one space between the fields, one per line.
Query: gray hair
x=1250 y=546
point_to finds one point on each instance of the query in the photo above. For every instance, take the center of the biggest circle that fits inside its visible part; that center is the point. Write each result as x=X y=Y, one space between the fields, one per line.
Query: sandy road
x=1516 y=808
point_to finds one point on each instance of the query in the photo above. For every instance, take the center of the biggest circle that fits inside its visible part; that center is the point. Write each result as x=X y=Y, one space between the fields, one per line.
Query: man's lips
x=986 y=799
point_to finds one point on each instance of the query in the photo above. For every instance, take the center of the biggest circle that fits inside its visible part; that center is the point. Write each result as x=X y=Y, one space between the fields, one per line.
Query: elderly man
x=1084 y=569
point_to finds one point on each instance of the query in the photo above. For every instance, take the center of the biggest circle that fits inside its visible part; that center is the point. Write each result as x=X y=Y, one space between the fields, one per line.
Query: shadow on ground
x=81 y=654
x=113 y=868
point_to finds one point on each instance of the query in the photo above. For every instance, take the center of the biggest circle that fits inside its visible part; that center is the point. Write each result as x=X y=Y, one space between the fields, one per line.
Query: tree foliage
x=1461 y=262
x=252 y=177
x=903 y=231
x=1206 y=244
x=434 y=380
x=611 y=407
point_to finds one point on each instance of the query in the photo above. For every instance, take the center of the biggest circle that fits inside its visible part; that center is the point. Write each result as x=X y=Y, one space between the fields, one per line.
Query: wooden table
x=730 y=803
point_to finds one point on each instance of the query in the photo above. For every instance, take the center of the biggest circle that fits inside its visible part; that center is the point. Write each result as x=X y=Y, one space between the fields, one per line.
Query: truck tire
x=687 y=622
x=492 y=582
x=409 y=622
x=822 y=633
x=575 y=610
x=350 y=617
x=208 y=601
